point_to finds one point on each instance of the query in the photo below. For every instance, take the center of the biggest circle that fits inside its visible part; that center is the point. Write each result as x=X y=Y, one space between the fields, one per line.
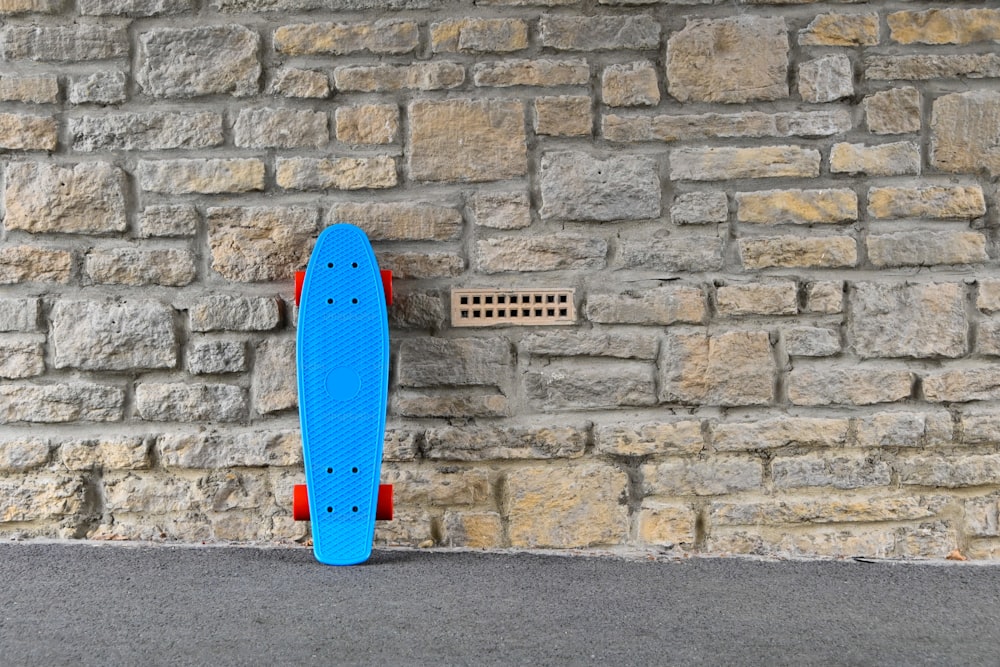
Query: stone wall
x=778 y=219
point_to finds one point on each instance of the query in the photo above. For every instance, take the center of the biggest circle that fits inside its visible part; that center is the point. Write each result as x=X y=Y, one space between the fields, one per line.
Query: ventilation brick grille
x=527 y=307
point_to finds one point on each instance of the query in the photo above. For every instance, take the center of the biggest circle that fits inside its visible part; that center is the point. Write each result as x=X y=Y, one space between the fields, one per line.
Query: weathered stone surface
x=168 y=220
x=810 y=341
x=219 y=449
x=700 y=208
x=138 y=266
x=726 y=163
x=944 y=26
x=933 y=66
x=422 y=265
x=107 y=335
x=346 y=173
x=659 y=438
x=616 y=344
x=541 y=72
x=988 y=296
x=207 y=357
x=776 y=298
x=400 y=221
x=435 y=362
x=673 y=253
x=18 y=314
x=295 y=82
x=9 y=7
x=841 y=30
x=33 y=88
x=988 y=338
x=923 y=248
x=500 y=210
x=579 y=506
x=837 y=509
x=204 y=176
x=23 y=454
x=274 y=380
x=599 y=33
x=472 y=530
x=189 y=62
x=450 y=404
x=549 y=252
x=667 y=524
x=572 y=385
x=21 y=357
x=63 y=43
x=479 y=35
x=893 y=111
x=467 y=140
x=727 y=369
x=931 y=201
x=897 y=159
x=564 y=116
x=797 y=206
x=22 y=132
x=281 y=128
x=958 y=386
x=824 y=296
x=234 y=313
x=630 y=85
x=484 y=443
x=903 y=429
x=28 y=264
x=61 y=403
x=189 y=402
x=368 y=124
x=87 y=198
x=826 y=79
x=44 y=496
x=134 y=7
x=661 y=305
x=107 y=453
x=388 y=78
x=965 y=132
x=798 y=252
x=781 y=432
x=949 y=471
x=418 y=310
x=683 y=127
x=258 y=243
x=834 y=385
x=729 y=60
x=581 y=186
x=385 y=36
x=697 y=477
x=105 y=87
x=840 y=471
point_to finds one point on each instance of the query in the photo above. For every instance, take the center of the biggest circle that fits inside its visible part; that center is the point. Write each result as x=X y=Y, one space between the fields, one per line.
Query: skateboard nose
x=343 y=383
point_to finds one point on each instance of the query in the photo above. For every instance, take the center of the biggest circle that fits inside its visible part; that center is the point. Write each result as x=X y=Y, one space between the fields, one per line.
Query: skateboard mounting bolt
x=329 y=470
x=354 y=265
x=354 y=470
x=329 y=300
x=329 y=265
x=354 y=509
x=354 y=300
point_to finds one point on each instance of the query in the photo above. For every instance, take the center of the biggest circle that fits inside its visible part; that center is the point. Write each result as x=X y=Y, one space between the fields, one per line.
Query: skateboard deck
x=342 y=356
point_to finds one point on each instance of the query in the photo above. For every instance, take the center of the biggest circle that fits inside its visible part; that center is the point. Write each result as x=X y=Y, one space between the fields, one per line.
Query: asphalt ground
x=84 y=604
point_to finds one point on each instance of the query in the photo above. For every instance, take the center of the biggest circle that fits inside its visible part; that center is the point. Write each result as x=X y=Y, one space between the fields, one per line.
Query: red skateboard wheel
x=300 y=279
x=300 y=503
x=383 y=509
x=387 y=285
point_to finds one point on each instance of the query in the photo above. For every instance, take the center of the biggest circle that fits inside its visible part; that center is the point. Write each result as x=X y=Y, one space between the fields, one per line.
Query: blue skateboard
x=342 y=357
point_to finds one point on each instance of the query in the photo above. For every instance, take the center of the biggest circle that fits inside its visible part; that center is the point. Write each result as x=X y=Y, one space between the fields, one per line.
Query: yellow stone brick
x=945 y=26
x=841 y=30
x=368 y=124
x=663 y=524
x=797 y=206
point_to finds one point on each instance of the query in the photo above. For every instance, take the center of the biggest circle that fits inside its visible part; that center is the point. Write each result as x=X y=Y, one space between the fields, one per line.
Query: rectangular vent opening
x=528 y=307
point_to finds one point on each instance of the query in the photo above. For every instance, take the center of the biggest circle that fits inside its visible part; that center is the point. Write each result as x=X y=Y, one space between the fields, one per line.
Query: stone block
x=903 y=429
x=281 y=128
x=472 y=530
x=963 y=202
x=630 y=85
x=201 y=176
x=896 y=159
x=104 y=87
x=345 y=173
x=832 y=385
x=112 y=336
x=467 y=140
x=21 y=357
x=949 y=471
x=810 y=341
x=700 y=208
x=12 y=7
x=673 y=253
x=575 y=343
x=31 y=88
x=776 y=298
x=390 y=78
x=106 y=453
x=853 y=508
x=86 y=198
x=479 y=35
x=924 y=248
x=422 y=265
x=734 y=368
x=486 y=443
x=168 y=220
x=749 y=436
x=723 y=163
x=382 y=37
x=924 y=67
x=596 y=384
x=549 y=252
x=749 y=124
x=564 y=116
x=30 y=264
x=836 y=29
x=898 y=320
x=79 y=42
x=539 y=72
x=962 y=385
x=137 y=266
x=228 y=449
x=260 y=243
x=437 y=362
x=581 y=186
x=135 y=8
x=944 y=26
x=599 y=33
x=368 y=124
x=23 y=454
x=579 y=506
x=234 y=313
x=304 y=83
x=500 y=210
x=824 y=296
x=210 y=357
x=826 y=79
x=43 y=497
x=663 y=305
x=718 y=476
x=274 y=379
x=846 y=470
x=893 y=111
x=451 y=404
x=804 y=207
x=675 y=437
x=190 y=402
x=988 y=296
x=23 y=132
x=19 y=314
x=392 y=221
x=809 y=252
x=667 y=524
x=965 y=132
x=190 y=62
x=732 y=60
x=61 y=403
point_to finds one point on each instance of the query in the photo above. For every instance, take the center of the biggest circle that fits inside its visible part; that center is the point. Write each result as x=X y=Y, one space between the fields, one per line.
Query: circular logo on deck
x=343 y=384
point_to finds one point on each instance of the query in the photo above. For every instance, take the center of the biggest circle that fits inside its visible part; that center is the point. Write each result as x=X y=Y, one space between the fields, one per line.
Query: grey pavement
x=81 y=604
